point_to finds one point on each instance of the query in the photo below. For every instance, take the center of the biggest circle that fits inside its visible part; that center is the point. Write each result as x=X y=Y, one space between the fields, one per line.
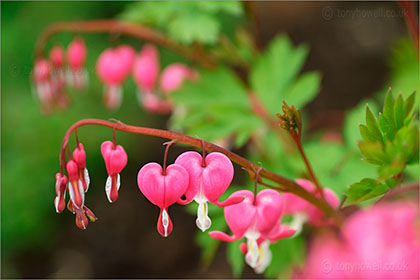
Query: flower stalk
x=287 y=184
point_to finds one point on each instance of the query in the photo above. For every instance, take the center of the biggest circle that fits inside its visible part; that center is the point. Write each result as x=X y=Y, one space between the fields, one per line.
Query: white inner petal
x=108 y=185
x=252 y=256
x=203 y=221
x=265 y=257
x=299 y=219
x=87 y=178
x=82 y=192
x=165 y=221
x=118 y=182
x=56 y=200
x=71 y=192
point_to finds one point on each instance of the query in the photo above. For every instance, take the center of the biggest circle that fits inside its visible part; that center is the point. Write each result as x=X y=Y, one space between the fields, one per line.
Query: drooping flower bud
x=79 y=156
x=60 y=190
x=76 y=190
x=43 y=83
x=76 y=57
x=113 y=67
x=115 y=160
x=174 y=75
x=146 y=69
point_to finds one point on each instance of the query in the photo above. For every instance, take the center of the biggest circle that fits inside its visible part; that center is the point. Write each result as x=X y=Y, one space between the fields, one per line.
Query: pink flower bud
x=208 y=181
x=163 y=190
x=60 y=190
x=174 y=75
x=76 y=53
x=76 y=190
x=146 y=68
x=153 y=104
x=57 y=56
x=113 y=67
x=42 y=70
x=43 y=83
x=79 y=156
x=115 y=160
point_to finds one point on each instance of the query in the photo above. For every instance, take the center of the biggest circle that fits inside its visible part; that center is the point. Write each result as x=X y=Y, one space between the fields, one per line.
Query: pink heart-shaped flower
x=114 y=65
x=146 y=68
x=163 y=190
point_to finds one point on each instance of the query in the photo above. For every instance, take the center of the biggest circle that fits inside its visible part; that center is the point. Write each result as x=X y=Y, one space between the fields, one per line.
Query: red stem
x=168 y=144
x=116 y=26
x=411 y=21
x=296 y=138
x=289 y=185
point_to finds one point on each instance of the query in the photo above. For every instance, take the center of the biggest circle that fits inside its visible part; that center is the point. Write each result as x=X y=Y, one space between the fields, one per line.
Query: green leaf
x=235 y=258
x=388 y=127
x=372 y=123
x=229 y=7
x=364 y=190
x=367 y=135
x=216 y=112
x=189 y=28
x=409 y=104
x=287 y=254
x=372 y=152
x=399 y=112
x=303 y=90
x=388 y=109
x=273 y=74
x=356 y=116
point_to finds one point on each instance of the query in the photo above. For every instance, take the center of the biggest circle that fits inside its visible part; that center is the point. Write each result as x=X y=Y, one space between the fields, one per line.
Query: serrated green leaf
x=367 y=135
x=387 y=127
x=229 y=7
x=388 y=109
x=356 y=116
x=275 y=70
x=409 y=104
x=189 y=28
x=303 y=90
x=399 y=112
x=364 y=190
x=372 y=123
x=392 y=169
x=235 y=258
x=372 y=152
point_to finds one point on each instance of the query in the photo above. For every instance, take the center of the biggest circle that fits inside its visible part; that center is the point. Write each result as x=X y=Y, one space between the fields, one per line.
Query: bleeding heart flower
x=163 y=188
x=113 y=67
x=174 y=75
x=58 y=78
x=60 y=190
x=146 y=68
x=43 y=84
x=257 y=221
x=303 y=211
x=79 y=157
x=209 y=179
x=115 y=161
x=381 y=242
x=76 y=57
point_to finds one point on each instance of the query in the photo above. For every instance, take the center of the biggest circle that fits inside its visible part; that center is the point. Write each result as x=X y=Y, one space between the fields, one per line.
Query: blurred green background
x=353 y=55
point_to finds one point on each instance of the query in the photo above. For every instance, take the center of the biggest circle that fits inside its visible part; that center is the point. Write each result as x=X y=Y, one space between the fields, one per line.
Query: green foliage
x=235 y=257
x=391 y=144
x=287 y=253
x=274 y=77
x=213 y=111
x=184 y=21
